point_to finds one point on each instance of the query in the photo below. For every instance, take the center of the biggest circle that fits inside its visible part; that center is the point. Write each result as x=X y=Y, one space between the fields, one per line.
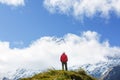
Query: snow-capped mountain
x=97 y=70
x=19 y=73
x=112 y=74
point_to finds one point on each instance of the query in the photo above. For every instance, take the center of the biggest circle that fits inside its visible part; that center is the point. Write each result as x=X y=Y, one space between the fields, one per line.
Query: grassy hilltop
x=61 y=75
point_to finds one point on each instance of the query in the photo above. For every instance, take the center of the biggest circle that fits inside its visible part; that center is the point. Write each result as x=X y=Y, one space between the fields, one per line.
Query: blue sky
x=32 y=31
x=28 y=22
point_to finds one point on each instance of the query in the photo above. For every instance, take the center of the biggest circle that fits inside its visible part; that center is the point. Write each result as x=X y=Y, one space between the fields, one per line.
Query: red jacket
x=63 y=58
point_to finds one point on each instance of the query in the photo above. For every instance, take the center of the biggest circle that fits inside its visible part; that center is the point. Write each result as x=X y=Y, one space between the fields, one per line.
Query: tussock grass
x=53 y=74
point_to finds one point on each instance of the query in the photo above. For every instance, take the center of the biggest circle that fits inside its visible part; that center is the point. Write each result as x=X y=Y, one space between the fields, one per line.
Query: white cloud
x=84 y=8
x=45 y=52
x=12 y=2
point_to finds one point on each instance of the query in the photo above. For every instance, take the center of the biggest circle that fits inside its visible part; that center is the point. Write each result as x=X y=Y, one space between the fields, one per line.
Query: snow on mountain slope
x=96 y=70
x=19 y=73
x=112 y=74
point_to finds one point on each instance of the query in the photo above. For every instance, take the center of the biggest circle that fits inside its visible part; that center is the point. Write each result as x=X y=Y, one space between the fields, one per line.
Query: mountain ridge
x=112 y=74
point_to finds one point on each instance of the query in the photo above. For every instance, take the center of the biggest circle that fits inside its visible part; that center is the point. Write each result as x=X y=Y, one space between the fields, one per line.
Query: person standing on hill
x=64 y=60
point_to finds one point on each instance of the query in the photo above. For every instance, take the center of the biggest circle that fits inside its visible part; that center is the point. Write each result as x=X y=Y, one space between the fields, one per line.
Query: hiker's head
x=63 y=52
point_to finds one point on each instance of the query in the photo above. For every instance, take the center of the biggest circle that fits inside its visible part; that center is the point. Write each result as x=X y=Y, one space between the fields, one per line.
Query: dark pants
x=64 y=64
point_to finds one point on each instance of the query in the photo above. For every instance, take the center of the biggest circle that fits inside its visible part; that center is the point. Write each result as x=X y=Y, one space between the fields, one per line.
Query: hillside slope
x=61 y=75
x=112 y=74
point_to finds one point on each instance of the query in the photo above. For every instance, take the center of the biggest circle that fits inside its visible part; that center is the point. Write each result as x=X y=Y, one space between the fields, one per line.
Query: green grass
x=61 y=75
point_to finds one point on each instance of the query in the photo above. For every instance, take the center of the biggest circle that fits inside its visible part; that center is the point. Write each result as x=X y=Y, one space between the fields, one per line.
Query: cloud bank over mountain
x=45 y=52
x=84 y=8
